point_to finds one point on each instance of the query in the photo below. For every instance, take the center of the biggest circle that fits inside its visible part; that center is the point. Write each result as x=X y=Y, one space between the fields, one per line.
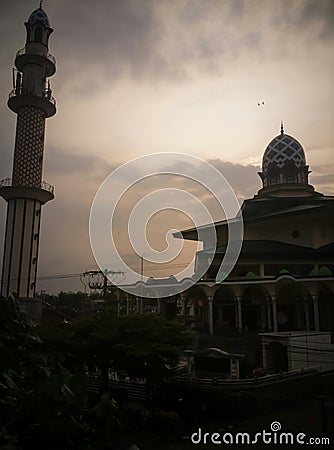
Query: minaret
x=31 y=99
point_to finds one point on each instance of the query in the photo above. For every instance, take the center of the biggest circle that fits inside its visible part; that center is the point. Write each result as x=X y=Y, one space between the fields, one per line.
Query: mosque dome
x=284 y=162
x=282 y=150
x=39 y=15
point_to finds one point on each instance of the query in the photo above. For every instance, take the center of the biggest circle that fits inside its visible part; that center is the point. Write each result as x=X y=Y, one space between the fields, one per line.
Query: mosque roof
x=276 y=249
x=39 y=15
x=281 y=150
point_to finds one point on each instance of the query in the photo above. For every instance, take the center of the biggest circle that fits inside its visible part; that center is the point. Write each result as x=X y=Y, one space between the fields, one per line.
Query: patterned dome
x=39 y=15
x=282 y=149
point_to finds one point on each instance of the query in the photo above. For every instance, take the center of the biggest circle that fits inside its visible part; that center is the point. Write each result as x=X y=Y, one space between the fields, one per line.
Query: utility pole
x=102 y=283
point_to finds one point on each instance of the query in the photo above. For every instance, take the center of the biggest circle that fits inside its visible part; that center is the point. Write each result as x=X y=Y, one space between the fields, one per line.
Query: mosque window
x=291 y=179
x=295 y=234
x=38 y=35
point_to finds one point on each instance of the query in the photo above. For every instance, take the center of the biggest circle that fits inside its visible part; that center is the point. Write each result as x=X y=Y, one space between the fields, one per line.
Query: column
x=192 y=309
x=210 y=312
x=158 y=306
x=127 y=305
x=316 y=312
x=183 y=304
x=269 y=321
x=239 y=315
x=137 y=305
x=307 y=314
x=275 y=313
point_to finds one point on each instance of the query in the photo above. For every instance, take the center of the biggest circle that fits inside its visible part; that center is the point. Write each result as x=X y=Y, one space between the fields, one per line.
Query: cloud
x=174 y=40
x=64 y=162
x=65 y=244
x=137 y=76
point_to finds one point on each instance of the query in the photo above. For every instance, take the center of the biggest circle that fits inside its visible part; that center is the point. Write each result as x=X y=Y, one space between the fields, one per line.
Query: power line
x=77 y=275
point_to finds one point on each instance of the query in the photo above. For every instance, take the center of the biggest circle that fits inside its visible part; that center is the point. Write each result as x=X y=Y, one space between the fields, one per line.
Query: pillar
x=239 y=315
x=210 y=312
x=183 y=304
x=274 y=305
x=316 y=312
x=269 y=315
x=307 y=314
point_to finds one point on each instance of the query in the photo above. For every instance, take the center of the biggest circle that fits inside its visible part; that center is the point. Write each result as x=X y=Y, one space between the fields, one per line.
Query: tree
x=40 y=404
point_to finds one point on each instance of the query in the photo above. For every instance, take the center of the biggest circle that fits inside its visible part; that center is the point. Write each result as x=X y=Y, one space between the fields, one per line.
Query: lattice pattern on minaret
x=29 y=147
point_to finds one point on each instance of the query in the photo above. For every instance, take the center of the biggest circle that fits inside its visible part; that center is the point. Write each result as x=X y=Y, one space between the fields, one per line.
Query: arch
x=38 y=34
x=290 y=173
x=256 y=308
x=326 y=308
x=197 y=307
x=294 y=306
x=273 y=175
x=276 y=357
x=224 y=308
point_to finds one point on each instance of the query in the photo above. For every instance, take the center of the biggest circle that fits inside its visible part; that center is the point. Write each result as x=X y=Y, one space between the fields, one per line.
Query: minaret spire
x=25 y=193
x=282 y=127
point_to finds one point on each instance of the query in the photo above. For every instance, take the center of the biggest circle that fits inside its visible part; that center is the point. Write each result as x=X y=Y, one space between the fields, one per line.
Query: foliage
x=43 y=385
x=167 y=425
x=40 y=405
x=140 y=345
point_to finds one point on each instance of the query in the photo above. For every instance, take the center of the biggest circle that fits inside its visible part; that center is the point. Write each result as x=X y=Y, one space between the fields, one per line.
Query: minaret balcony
x=23 y=57
x=43 y=193
x=18 y=98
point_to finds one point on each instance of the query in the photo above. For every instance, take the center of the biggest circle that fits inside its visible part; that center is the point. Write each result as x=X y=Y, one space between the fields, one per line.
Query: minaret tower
x=31 y=99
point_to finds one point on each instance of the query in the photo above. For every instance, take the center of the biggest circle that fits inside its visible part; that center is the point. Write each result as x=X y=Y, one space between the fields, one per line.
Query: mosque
x=282 y=285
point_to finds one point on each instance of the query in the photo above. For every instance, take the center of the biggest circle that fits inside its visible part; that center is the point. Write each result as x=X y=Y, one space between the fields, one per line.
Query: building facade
x=282 y=287
x=283 y=279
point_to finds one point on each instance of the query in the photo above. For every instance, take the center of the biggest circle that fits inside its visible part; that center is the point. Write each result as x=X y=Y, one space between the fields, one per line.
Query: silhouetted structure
x=31 y=99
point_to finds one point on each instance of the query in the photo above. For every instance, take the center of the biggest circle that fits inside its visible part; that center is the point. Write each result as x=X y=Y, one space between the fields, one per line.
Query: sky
x=136 y=77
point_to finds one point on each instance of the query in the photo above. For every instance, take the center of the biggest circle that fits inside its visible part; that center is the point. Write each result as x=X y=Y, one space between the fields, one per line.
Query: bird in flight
x=260 y=104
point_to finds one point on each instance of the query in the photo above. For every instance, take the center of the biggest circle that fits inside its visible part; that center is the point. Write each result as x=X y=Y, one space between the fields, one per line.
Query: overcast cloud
x=142 y=76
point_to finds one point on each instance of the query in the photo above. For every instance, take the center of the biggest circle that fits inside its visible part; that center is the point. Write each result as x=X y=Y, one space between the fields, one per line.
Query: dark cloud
x=108 y=29
x=99 y=43
x=312 y=19
x=103 y=41
x=318 y=11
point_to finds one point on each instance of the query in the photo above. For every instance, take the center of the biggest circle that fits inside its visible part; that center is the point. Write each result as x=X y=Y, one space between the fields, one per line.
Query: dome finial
x=41 y=4
x=282 y=128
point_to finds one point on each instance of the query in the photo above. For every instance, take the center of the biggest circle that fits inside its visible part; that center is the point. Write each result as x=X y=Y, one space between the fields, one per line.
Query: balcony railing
x=7 y=182
x=48 y=55
x=45 y=94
